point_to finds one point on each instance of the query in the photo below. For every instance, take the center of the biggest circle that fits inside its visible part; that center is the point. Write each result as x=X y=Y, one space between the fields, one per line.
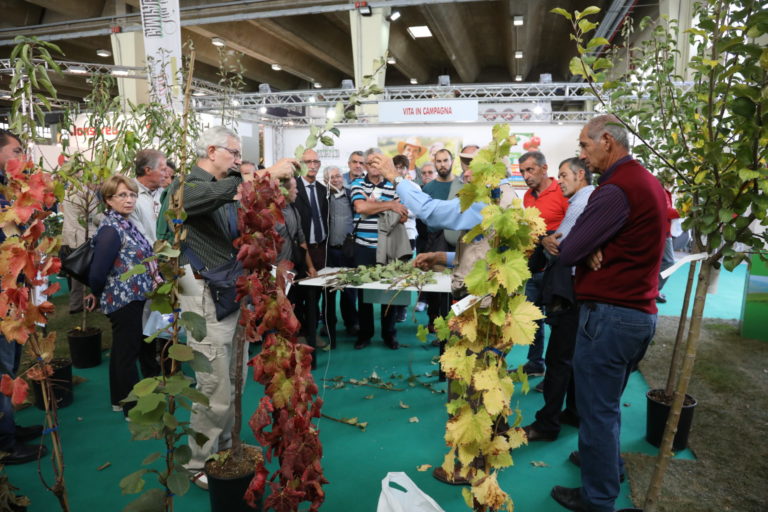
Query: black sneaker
x=23 y=453
x=533 y=369
x=539 y=388
x=362 y=344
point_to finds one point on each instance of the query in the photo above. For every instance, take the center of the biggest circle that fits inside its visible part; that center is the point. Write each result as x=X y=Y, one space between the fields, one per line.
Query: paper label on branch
x=464 y=304
x=682 y=261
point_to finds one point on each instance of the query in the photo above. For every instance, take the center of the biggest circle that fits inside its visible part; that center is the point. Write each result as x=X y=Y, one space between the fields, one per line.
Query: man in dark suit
x=312 y=205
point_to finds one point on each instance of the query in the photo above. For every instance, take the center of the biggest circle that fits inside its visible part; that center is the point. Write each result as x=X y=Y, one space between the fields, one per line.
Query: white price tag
x=464 y=304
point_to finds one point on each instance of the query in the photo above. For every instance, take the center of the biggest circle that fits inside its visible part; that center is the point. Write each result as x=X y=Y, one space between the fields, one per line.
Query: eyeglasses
x=234 y=152
x=126 y=195
x=311 y=162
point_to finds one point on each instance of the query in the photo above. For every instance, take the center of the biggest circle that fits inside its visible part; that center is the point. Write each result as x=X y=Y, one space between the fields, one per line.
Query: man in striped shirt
x=371 y=196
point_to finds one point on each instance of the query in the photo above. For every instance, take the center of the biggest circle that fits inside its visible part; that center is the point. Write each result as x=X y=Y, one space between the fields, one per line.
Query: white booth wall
x=557 y=142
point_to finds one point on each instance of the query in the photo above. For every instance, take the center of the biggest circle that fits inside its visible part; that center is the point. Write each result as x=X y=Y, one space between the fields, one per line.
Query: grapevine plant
x=283 y=366
x=477 y=340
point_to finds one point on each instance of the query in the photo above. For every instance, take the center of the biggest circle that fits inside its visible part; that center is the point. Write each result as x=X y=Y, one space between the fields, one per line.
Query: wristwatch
x=398 y=180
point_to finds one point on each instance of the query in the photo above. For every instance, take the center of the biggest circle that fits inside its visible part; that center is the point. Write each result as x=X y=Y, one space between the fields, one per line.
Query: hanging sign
x=427 y=111
x=162 y=45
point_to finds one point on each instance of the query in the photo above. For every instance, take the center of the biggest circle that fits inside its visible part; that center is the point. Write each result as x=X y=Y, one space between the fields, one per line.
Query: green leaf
x=181 y=352
x=577 y=68
x=149 y=459
x=151 y=501
x=335 y=131
x=597 y=41
x=325 y=140
x=182 y=454
x=743 y=106
x=562 y=12
x=135 y=270
x=200 y=363
x=587 y=26
x=145 y=387
x=134 y=482
x=195 y=395
x=149 y=403
x=178 y=482
x=170 y=421
x=588 y=12
x=421 y=333
x=194 y=323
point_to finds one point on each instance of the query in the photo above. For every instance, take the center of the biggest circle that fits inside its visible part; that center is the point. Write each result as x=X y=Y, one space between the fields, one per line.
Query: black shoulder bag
x=78 y=262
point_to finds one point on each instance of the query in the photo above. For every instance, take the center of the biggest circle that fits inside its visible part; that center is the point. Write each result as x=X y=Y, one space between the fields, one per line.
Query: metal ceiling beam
x=409 y=59
x=73 y=9
x=447 y=24
x=19 y=13
x=316 y=36
x=259 y=44
x=255 y=70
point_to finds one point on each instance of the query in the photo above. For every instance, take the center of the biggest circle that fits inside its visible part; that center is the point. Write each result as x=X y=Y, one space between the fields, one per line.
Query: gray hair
x=576 y=165
x=610 y=124
x=428 y=163
x=372 y=151
x=538 y=157
x=327 y=172
x=354 y=153
x=147 y=158
x=214 y=136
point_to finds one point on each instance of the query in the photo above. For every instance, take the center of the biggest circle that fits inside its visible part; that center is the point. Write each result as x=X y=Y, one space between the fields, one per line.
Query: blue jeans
x=610 y=341
x=533 y=292
x=9 y=362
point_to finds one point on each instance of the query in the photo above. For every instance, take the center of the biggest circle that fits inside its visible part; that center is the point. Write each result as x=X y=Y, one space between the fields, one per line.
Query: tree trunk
x=677 y=352
x=665 y=450
x=239 y=355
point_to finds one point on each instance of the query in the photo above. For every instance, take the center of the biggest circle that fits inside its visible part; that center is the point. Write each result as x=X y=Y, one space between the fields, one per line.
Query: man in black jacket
x=312 y=205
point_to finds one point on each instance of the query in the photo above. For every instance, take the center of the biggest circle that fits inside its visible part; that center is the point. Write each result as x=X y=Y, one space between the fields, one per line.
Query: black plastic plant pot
x=656 y=419
x=61 y=380
x=85 y=347
x=226 y=494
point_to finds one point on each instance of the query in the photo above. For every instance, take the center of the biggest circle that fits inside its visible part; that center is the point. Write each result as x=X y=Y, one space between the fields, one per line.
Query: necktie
x=316 y=225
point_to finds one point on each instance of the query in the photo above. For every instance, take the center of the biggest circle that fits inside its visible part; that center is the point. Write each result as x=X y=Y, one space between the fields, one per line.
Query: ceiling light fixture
x=518 y=21
x=391 y=61
x=5 y=97
x=519 y=54
x=538 y=110
x=198 y=93
x=347 y=84
x=419 y=31
x=77 y=70
x=414 y=81
x=312 y=99
x=317 y=85
x=331 y=113
x=103 y=53
x=262 y=110
x=444 y=80
x=518 y=78
x=394 y=16
x=217 y=41
x=264 y=88
x=277 y=67
x=363 y=8
x=120 y=72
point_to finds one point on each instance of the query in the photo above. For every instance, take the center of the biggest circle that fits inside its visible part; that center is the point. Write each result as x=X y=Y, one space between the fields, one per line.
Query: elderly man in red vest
x=616 y=246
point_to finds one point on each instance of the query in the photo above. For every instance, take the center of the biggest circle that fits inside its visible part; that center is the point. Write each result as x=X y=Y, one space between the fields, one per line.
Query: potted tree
x=709 y=133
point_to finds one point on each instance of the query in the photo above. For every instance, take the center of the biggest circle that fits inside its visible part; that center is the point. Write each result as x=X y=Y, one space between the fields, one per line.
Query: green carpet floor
x=354 y=461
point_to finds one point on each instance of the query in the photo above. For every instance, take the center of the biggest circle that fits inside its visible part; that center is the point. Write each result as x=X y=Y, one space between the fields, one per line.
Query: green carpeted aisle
x=354 y=461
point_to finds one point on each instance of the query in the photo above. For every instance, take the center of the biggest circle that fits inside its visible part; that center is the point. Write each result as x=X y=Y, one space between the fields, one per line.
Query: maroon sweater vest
x=629 y=276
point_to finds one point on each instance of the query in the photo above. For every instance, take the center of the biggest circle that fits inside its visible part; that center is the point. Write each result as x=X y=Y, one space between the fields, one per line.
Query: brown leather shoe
x=440 y=474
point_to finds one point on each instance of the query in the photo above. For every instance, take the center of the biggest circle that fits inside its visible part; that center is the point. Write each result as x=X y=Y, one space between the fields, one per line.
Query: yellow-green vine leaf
x=489 y=493
x=592 y=9
x=468 y=427
x=521 y=321
x=562 y=12
x=457 y=364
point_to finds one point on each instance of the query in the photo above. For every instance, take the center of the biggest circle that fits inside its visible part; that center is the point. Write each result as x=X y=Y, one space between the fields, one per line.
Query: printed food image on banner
x=521 y=144
x=419 y=149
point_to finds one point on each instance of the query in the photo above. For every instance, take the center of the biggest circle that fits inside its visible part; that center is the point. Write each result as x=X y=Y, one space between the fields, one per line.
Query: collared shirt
x=341 y=214
x=436 y=213
x=368 y=229
x=576 y=204
x=205 y=200
x=290 y=231
x=145 y=213
x=312 y=191
x=550 y=202
x=603 y=217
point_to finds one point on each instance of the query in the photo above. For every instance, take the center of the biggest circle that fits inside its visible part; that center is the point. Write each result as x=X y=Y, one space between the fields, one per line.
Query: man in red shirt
x=543 y=193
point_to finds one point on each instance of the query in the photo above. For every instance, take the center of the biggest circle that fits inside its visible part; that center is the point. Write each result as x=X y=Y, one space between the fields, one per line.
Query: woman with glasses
x=117 y=248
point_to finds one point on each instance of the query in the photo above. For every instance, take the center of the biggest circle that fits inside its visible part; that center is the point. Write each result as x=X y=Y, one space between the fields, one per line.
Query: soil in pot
x=85 y=347
x=228 y=479
x=659 y=405
x=61 y=380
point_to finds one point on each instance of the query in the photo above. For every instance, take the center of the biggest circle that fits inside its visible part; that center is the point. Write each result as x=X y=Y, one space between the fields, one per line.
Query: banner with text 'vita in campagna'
x=162 y=45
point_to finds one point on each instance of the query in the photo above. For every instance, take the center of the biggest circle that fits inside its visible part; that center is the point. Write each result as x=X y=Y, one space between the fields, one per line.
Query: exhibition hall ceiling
x=472 y=41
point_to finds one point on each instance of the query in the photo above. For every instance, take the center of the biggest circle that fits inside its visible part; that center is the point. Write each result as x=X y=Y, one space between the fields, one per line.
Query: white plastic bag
x=413 y=499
